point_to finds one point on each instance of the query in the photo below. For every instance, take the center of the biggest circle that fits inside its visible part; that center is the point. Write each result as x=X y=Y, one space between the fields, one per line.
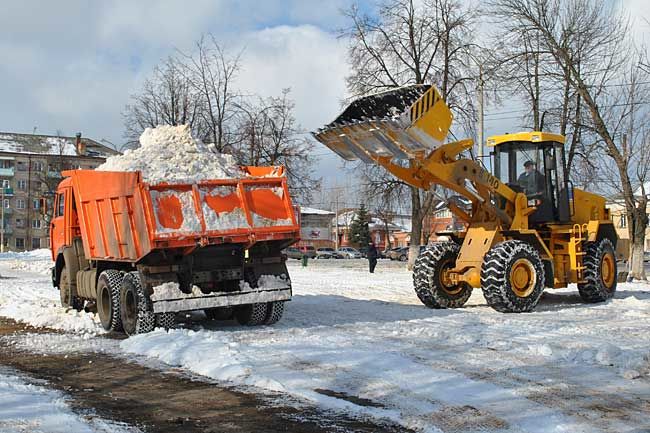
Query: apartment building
x=30 y=169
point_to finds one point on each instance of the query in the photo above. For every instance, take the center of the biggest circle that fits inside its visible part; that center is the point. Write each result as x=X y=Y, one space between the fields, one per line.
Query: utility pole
x=336 y=223
x=2 y=217
x=481 y=130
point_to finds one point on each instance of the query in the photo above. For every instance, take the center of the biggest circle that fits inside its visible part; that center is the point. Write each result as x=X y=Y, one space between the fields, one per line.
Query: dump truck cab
x=534 y=163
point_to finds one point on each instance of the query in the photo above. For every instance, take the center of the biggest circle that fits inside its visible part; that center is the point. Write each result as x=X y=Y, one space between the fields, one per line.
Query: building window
x=36 y=243
x=36 y=203
x=20 y=243
x=622 y=223
x=21 y=166
x=22 y=184
x=6 y=164
x=20 y=203
x=36 y=224
x=37 y=166
x=7 y=203
x=20 y=223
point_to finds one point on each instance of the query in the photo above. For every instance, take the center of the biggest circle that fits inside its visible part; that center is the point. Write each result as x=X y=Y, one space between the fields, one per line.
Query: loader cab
x=533 y=163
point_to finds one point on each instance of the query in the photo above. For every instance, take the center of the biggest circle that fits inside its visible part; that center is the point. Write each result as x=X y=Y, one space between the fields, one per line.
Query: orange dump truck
x=143 y=252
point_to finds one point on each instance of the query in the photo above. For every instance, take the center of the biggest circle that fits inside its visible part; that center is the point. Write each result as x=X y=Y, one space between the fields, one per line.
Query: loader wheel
x=136 y=309
x=251 y=314
x=220 y=313
x=599 y=273
x=65 y=292
x=428 y=281
x=108 y=299
x=274 y=312
x=166 y=320
x=512 y=277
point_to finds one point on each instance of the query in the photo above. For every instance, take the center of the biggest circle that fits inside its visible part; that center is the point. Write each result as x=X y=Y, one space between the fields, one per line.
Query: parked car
x=349 y=253
x=293 y=253
x=646 y=256
x=308 y=251
x=327 y=253
x=401 y=254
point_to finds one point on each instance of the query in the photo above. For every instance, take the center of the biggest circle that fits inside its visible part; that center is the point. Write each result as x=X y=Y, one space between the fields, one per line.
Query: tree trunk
x=640 y=223
x=416 y=226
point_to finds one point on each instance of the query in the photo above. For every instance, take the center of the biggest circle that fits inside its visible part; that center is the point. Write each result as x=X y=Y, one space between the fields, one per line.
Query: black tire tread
x=594 y=290
x=113 y=279
x=495 y=280
x=425 y=277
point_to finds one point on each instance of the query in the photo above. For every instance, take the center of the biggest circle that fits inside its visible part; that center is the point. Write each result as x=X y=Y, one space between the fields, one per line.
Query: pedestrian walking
x=372 y=257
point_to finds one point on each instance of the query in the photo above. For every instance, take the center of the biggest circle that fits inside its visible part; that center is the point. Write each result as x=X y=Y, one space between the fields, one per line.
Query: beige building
x=621 y=221
x=30 y=169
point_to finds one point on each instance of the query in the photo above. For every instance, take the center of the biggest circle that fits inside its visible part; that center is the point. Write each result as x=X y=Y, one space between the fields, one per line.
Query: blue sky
x=71 y=65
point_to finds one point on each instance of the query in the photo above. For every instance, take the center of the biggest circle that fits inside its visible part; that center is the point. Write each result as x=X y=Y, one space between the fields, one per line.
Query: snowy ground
x=29 y=407
x=362 y=343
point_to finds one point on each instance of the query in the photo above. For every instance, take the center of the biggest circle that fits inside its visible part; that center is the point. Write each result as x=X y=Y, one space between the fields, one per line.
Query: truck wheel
x=220 y=313
x=512 y=277
x=251 y=314
x=108 y=299
x=431 y=288
x=136 y=309
x=166 y=320
x=65 y=292
x=274 y=312
x=599 y=273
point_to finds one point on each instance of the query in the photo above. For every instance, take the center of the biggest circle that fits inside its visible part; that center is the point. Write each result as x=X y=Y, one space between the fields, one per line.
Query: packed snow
x=191 y=222
x=170 y=154
x=363 y=344
x=28 y=407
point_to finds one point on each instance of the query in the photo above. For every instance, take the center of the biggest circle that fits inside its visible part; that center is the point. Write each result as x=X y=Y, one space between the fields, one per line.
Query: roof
x=532 y=136
x=345 y=219
x=311 y=211
x=13 y=142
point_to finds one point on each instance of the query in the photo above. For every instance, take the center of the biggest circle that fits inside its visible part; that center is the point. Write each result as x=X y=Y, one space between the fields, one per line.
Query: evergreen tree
x=359 y=230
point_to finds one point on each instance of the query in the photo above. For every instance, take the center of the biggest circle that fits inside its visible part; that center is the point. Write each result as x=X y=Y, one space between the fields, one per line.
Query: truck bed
x=123 y=218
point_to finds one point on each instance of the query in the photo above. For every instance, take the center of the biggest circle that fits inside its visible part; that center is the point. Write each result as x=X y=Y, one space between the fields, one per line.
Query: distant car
x=327 y=253
x=349 y=253
x=401 y=254
x=308 y=251
x=293 y=253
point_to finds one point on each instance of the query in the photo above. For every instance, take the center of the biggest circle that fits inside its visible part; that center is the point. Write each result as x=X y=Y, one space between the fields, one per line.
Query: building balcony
x=54 y=174
x=8 y=230
x=7 y=172
x=8 y=211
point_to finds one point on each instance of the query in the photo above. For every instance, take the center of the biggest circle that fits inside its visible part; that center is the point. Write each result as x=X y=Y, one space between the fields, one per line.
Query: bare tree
x=602 y=35
x=270 y=135
x=211 y=71
x=166 y=98
x=405 y=43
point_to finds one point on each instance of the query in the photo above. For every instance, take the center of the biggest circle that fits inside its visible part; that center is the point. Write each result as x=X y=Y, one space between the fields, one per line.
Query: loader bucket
x=401 y=123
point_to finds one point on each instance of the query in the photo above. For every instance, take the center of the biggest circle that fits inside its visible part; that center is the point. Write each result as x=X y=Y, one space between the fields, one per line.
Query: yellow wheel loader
x=527 y=227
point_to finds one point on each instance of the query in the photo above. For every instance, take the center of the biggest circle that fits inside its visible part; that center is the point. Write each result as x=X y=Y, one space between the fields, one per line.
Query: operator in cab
x=532 y=181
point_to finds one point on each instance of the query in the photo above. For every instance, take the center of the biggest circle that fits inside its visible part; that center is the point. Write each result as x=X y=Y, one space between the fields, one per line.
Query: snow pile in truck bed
x=170 y=154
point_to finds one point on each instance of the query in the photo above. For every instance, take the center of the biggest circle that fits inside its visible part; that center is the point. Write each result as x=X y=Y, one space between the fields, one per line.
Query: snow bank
x=32 y=408
x=170 y=154
x=38 y=261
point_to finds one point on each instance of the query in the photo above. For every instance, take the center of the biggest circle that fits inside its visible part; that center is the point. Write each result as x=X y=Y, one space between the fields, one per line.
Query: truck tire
x=512 y=277
x=65 y=292
x=428 y=282
x=599 y=273
x=274 y=312
x=251 y=314
x=220 y=313
x=136 y=309
x=108 y=299
x=166 y=320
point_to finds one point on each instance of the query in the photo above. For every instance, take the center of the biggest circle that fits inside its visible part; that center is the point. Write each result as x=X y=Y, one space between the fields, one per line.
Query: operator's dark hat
x=528 y=163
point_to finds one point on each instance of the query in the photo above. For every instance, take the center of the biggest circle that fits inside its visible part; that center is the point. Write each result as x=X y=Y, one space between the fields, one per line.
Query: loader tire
x=274 y=312
x=135 y=306
x=166 y=320
x=219 y=313
x=108 y=299
x=65 y=292
x=599 y=273
x=251 y=314
x=428 y=280
x=512 y=277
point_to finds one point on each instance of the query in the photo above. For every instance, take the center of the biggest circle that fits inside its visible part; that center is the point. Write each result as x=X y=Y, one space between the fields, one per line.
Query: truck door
x=57 y=226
